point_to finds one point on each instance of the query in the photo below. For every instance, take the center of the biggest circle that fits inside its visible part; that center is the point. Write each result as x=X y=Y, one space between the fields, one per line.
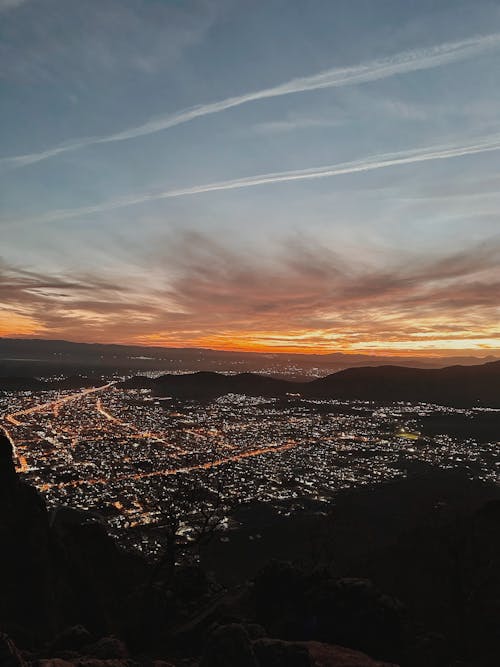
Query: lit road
x=14 y=419
x=175 y=471
x=53 y=405
x=135 y=431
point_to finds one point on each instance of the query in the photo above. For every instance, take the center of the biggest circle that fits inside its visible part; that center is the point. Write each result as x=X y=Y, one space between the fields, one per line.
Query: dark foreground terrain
x=407 y=573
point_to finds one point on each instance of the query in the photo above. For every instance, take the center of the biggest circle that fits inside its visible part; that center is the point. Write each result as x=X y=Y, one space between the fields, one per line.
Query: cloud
x=401 y=63
x=303 y=295
x=370 y=163
x=35 y=303
x=5 y=5
x=308 y=296
x=293 y=122
x=85 y=44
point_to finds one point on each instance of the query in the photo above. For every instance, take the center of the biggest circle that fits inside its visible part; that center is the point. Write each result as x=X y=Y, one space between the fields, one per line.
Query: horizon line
x=466 y=352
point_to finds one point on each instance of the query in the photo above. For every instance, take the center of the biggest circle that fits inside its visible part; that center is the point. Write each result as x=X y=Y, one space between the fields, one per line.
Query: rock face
x=95 y=578
x=57 y=571
x=26 y=599
x=231 y=645
x=326 y=655
x=277 y=653
x=297 y=605
x=71 y=639
x=9 y=655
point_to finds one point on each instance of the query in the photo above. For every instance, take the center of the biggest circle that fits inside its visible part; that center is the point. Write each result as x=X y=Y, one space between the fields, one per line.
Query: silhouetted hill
x=462 y=386
x=34 y=384
x=210 y=385
x=455 y=385
x=21 y=384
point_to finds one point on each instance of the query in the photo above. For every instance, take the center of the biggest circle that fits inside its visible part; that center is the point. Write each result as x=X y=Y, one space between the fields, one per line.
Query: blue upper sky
x=222 y=172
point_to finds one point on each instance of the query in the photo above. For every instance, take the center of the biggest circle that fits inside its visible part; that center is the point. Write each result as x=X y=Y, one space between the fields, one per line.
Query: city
x=120 y=452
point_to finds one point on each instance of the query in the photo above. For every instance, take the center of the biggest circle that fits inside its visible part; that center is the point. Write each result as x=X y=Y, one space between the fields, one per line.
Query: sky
x=285 y=175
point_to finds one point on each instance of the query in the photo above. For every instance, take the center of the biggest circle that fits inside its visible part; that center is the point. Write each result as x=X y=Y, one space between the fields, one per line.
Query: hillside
x=454 y=385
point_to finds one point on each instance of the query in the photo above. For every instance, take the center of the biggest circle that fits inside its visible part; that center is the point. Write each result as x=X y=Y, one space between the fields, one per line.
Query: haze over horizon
x=274 y=176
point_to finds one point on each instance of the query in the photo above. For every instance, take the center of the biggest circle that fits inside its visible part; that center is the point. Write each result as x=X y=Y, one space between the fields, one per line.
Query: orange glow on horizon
x=14 y=325
x=307 y=341
x=269 y=343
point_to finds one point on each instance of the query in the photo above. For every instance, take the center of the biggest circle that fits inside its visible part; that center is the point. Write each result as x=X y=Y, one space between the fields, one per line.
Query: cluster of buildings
x=127 y=455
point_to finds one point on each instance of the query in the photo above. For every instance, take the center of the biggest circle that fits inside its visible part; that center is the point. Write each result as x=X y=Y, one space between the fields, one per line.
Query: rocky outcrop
x=71 y=639
x=95 y=577
x=227 y=646
x=26 y=599
x=299 y=605
x=278 y=653
x=60 y=570
x=70 y=597
x=9 y=655
x=231 y=645
x=327 y=655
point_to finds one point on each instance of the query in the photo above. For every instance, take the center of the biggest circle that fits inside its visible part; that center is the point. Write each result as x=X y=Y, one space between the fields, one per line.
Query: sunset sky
x=317 y=175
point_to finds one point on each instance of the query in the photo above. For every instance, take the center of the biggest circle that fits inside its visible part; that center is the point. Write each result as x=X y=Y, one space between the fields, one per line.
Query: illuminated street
x=114 y=450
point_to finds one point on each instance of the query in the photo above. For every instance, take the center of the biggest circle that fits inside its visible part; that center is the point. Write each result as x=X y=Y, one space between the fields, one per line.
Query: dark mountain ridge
x=206 y=384
x=454 y=385
x=60 y=353
x=460 y=386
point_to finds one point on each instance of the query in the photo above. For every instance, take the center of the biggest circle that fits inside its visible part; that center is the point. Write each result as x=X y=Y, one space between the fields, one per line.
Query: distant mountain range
x=20 y=356
x=24 y=362
x=454 y=385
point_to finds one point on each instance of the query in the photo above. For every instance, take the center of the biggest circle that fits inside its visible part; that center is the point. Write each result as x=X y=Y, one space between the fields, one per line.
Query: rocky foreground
x=71 y=597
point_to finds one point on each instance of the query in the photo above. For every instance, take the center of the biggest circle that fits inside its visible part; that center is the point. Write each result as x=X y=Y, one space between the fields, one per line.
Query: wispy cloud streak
x=5 y=5
x=370 y=163
x=401 y=63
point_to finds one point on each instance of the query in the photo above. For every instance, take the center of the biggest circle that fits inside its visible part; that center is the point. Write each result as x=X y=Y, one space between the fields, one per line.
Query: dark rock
x=94 y=662
x=9 y=655
x=295 y=605
x=189 y=583
x=107 y=648
x=73 y=638
x=327 y=655
x=277 y=653
x=352 y=612
x=429 y=650
x=70 y=656
x=25 y=568
x=232 y=607
x=228 y=646
x=96 y=576
x=8 y=475
x=254 y=630
x=279 y=592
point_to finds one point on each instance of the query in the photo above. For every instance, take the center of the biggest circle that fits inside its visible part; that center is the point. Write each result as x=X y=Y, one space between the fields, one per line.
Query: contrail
x=406 y=61
x=370 y=163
